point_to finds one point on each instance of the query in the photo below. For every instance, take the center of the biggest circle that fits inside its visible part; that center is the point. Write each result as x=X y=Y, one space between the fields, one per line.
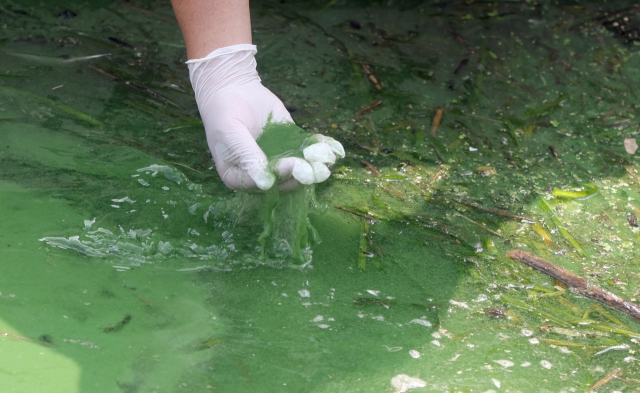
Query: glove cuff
x=224 y=67
x=226 y=51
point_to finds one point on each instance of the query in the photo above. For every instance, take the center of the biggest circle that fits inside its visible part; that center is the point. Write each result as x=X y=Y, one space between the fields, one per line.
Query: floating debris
x=504 y=363
x=422 y=321
x=630 y=145
x=620 y=347
x=304 y=293
x=403 y=382
x=459 y=304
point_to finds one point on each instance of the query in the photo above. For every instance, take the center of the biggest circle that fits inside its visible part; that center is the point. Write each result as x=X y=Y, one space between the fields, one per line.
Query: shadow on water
x=149 y=279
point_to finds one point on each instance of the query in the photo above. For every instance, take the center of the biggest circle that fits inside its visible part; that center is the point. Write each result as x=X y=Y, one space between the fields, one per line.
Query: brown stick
x=579 y=284
x=372 y=78
x=367 y=108
x=371 y=168
x=437 y=119
x=555 y=154
x=436 y=176
x=605 y=380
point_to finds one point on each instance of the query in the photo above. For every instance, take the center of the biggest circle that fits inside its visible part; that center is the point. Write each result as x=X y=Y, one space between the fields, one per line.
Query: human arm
x=208 y=25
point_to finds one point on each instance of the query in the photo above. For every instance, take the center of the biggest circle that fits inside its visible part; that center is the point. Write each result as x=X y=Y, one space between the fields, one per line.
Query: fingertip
x=320 y=171
x=335 y=146
x=303 y=172
x=319 y=152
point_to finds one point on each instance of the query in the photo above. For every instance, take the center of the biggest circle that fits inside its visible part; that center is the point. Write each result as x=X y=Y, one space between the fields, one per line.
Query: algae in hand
x=282 y=140
x=287 y=232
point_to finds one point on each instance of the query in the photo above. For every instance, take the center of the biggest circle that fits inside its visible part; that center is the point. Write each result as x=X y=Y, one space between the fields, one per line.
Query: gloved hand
x=234 y=107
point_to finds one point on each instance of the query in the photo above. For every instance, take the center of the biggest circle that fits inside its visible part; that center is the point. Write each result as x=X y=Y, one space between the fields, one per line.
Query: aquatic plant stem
x=492 y=211
x=355 y=213
x=480 y=225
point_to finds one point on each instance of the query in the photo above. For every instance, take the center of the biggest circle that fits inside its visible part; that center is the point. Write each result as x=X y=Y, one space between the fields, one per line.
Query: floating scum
x=470 y=131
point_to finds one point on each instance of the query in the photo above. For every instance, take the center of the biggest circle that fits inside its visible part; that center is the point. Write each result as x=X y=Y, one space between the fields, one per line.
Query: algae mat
x=470 y=130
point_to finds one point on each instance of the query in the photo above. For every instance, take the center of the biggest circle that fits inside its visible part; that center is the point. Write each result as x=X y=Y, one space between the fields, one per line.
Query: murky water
x=127 y=266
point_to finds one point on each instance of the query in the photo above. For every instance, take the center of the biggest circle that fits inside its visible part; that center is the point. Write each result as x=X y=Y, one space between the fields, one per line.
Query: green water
x=127 y=266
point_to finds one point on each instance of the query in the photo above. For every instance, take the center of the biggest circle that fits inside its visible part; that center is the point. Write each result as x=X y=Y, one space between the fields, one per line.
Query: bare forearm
x=211 y=24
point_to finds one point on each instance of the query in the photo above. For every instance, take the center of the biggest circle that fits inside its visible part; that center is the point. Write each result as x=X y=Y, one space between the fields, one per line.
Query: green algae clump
x=282 y=140
x=288 y=233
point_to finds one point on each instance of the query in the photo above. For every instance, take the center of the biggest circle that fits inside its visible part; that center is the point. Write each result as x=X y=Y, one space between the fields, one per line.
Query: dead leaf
x=630 y=145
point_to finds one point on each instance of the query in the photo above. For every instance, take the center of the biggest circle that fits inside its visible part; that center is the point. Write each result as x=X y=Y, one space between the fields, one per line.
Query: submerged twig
x=463 y=62
x=579 y=284
x=188 y=167
x=493 y=211
x=436 y=177
x=369 y=107
x=607 y=378
x=16 y=336
x=371 y=168
x=437 y=119
x=372 y=77
x=355 y=213
x=118 y=325
x=103 y=72
x=364 y=243
x=555 y=154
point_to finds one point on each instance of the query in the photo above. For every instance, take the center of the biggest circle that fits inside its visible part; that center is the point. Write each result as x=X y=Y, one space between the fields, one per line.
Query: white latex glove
x=234 y=107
